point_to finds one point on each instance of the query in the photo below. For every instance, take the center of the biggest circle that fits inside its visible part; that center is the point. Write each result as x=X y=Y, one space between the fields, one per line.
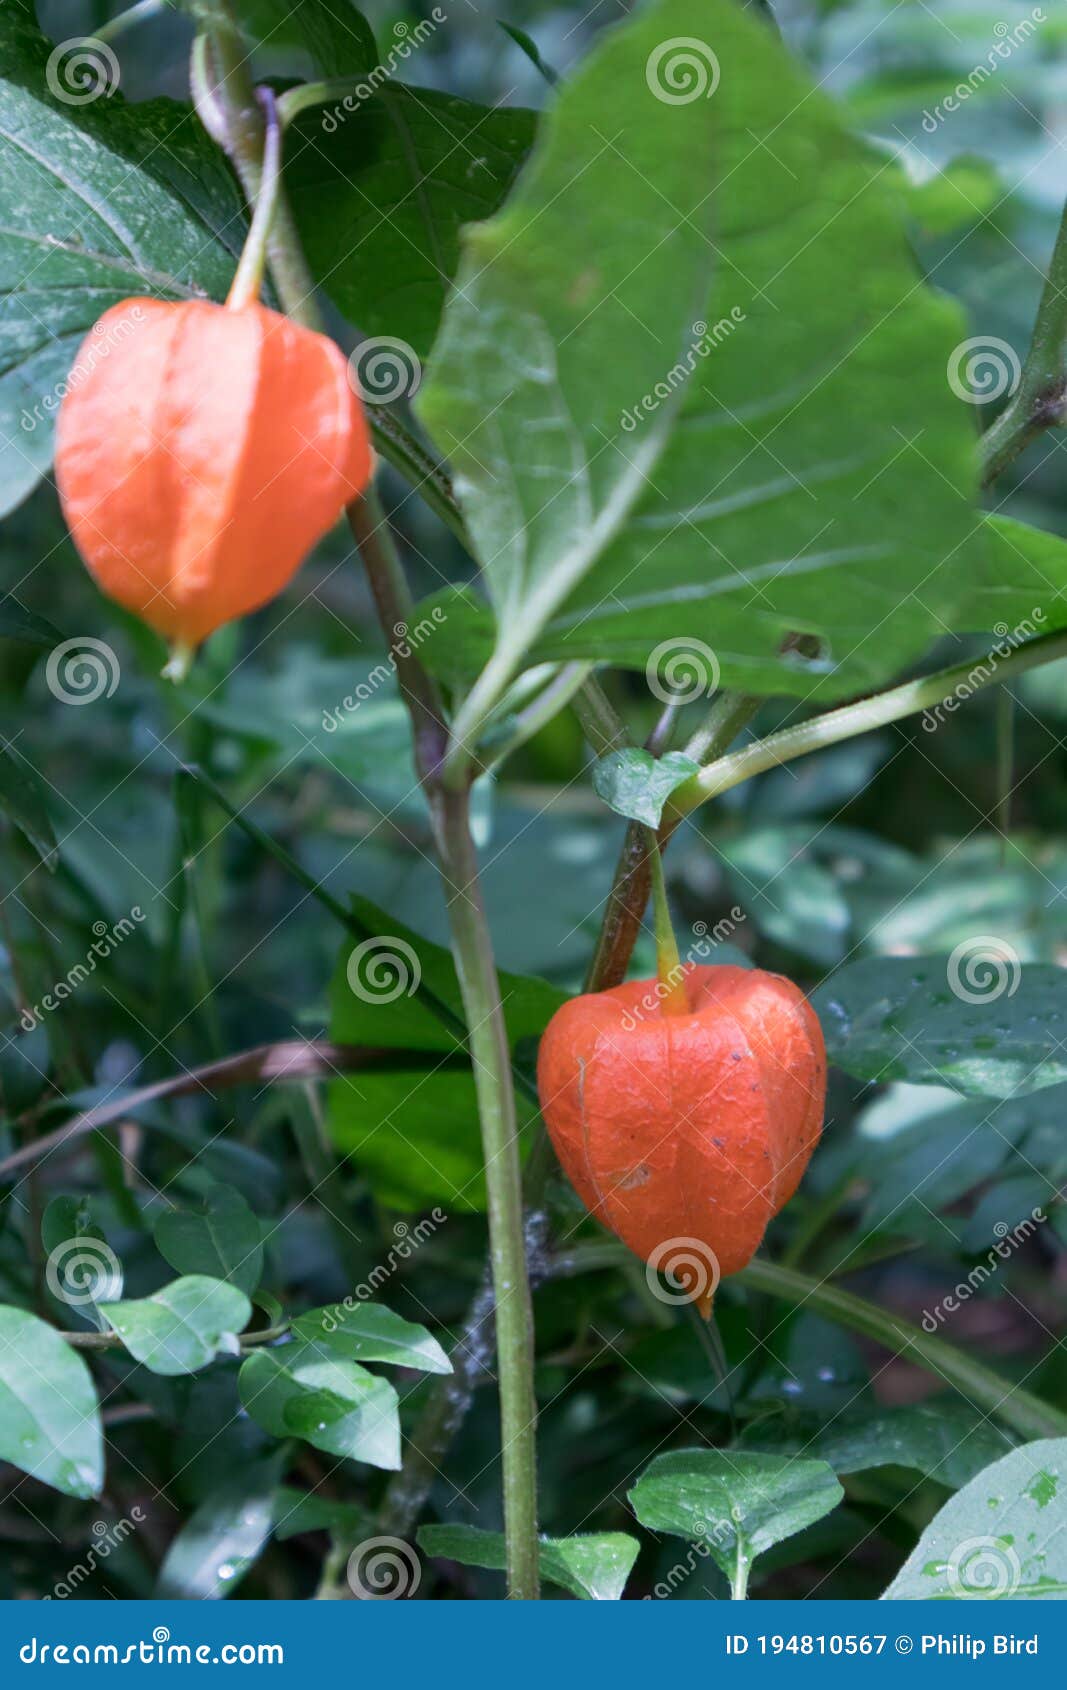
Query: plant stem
x=225 y=99
x=675 y=1000
x=394 y=604
x=1039 y=400
x=1027 y=1414
x=853 y=719
x=600 y=721
x=541 y=709
x=248 y=279
x=139 y=13
x=488 y=1043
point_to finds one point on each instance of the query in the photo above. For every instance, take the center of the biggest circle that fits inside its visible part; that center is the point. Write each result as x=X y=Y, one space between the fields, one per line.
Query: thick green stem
x=675 y=1000
x=948 y=687
x=488 y=1044
x=1040 y=400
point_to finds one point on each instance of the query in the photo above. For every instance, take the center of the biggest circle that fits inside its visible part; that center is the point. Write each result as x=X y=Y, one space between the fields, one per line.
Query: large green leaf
x=904 y=1018
x=99 y=200
x=49 y=1418
x=222 y=1238
x=736 y=1504
x=1003 y=1535
x=593 y=1566
x=304 y=1389
x=814 y=472
x=947 y=1440
x=182 y=1327
x=381 y=191
x=414 y=1128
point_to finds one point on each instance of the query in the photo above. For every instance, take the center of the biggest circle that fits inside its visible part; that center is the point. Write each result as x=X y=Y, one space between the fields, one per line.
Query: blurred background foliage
x=902 y=843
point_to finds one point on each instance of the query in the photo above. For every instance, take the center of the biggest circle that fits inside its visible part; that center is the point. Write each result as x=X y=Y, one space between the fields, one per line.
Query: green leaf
x=638 y=785
x=619 y=483
x=81 y=1268
x=222 y=1538
x=19 y=624
x=529 y=46
x=593 y=1566
x=737 y=1504
x=381 y=190
x=22 y=800
x=49 y=1418
x=786 y=889
x=945 y=1440
x=900 y=1018
x=98 y=201
x=373 y=992
x=305 y=1390
x=414 y=1128
x=182 y=1327
x=302 y=1511
x=1017 y=582
x=337 y=37
x=372 y=1332
x=1003 y=1535
x=222 y=1239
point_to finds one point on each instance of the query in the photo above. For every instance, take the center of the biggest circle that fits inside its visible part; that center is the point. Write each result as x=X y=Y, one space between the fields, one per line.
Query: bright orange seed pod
x=685 y=1133
x=203 y=454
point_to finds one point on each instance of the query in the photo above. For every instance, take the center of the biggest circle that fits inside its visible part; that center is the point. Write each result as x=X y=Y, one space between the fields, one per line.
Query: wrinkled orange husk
x=201 y=454
x=692 y=1126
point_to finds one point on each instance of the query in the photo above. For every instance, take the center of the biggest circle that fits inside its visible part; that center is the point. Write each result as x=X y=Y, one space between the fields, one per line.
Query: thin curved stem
x=1027 y=1414
x=945 y=688
x=248 y=279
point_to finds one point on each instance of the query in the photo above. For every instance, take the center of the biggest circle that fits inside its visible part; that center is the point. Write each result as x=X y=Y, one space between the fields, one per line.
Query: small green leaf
x=593 y=1566
x=81 y=1268
x=182 y=1327
x=222 y=1238
x=372 y=1332
x=302 y=1511
x=736 y=1504
x=49 y=1417
x=637 y=785
x=304 y=1388
x=1002 y=1535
